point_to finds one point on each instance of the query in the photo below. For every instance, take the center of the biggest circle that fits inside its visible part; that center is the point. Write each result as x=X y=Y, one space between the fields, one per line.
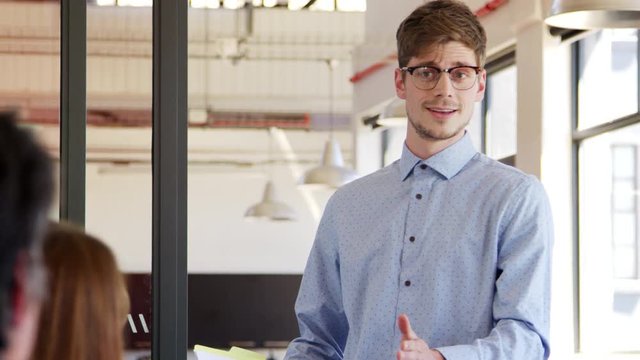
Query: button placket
x=420 y=187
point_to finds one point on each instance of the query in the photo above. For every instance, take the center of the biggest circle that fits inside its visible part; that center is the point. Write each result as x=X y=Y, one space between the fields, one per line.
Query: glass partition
x=118 y=157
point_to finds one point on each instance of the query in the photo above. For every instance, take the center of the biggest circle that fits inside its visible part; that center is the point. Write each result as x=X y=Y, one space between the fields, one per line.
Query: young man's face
x=439 y=114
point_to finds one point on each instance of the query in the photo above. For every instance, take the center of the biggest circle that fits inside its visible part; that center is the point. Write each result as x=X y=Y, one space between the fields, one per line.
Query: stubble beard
x=433 y=135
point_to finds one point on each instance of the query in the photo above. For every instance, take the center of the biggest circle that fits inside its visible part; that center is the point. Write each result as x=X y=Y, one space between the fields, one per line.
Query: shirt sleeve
x=522 y=287
x=319 y=310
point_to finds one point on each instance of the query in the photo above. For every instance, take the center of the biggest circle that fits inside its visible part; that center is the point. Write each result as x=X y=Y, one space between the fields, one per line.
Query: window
x=607 y=60
x=502 y=112
x=624 y=210
x=606 y=139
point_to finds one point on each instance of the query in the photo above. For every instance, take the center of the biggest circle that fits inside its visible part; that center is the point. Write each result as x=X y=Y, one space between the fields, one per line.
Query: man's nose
x=444 y=87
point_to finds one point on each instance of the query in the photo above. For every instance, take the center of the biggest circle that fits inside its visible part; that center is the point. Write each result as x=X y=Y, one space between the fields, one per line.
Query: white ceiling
x=262 y=60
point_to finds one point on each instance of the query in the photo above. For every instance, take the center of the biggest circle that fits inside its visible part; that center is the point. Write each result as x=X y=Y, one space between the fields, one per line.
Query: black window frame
x=169 y=158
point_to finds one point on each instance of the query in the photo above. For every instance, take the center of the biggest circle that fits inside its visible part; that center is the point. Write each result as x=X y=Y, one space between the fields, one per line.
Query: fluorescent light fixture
x=270 y=3
x=352 y=5
x=205 y=4
x=233 y=4
x=136 y=3
x=256 y=2
x=323 y=5
x=296 y=4
x=105 y=2
x=198 y=116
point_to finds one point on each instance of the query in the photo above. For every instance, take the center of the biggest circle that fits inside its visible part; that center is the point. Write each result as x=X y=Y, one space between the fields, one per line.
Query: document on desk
x=235 y=353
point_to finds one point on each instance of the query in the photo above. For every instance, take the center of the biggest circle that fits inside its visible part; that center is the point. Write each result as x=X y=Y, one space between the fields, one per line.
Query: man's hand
x=411 y=346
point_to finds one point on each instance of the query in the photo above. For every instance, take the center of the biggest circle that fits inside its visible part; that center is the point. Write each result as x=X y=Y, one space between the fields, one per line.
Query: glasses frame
x=411 y=69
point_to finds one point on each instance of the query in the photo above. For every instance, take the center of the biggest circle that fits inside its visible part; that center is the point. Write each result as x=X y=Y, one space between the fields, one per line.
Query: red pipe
x=488 y=8
x=373 y=68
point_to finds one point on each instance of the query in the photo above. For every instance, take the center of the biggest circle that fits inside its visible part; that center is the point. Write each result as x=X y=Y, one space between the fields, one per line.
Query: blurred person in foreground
x=446 y=237
x=26 y=186
x=84 y=315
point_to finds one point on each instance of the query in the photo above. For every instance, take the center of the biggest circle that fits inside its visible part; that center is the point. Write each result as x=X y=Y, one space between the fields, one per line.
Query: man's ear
x=399 y=78
x=482 y=83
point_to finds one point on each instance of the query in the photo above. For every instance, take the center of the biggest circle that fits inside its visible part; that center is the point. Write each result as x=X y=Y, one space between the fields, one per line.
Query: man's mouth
x=442 y=110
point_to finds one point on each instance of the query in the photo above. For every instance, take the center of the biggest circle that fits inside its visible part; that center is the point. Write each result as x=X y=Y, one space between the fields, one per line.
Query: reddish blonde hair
x=84 y=315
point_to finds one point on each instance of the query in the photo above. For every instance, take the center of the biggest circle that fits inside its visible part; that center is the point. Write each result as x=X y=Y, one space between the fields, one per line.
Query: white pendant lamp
x=331 y=173
x=269 y=208
x=594 y=14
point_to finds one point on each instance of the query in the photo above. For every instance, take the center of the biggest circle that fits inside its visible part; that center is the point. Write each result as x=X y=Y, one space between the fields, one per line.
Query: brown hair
x=84 y=316
x=437 y=23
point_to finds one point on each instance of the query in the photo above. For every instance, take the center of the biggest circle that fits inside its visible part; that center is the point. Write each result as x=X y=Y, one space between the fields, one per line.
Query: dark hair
x=26 y=186
x=84 y=314
x=437 y=23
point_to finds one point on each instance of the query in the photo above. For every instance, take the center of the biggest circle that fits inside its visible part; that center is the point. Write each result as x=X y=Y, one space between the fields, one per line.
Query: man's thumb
x=405 y=328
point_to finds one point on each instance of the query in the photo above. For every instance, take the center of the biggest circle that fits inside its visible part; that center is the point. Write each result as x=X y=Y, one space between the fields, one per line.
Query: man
x=455 y=242
x=26 y=185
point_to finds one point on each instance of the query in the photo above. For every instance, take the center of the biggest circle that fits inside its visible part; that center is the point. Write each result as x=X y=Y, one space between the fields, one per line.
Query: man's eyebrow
x=435 y=65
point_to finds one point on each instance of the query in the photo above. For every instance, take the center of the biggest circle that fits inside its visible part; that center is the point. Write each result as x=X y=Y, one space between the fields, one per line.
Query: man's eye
x=459 y=75
x=426 y=74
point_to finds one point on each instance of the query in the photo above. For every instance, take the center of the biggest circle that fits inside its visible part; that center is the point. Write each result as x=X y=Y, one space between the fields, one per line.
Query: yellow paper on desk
x=235 y=353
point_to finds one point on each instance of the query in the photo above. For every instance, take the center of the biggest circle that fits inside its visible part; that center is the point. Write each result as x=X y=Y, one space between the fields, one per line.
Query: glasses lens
x=463 y=77
x=425 y=77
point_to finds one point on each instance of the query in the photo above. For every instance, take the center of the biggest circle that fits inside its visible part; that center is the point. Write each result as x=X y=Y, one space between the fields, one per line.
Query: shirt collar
x=447 y=162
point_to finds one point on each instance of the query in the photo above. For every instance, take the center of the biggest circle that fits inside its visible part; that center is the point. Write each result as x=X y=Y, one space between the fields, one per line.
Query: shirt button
x=412 y=238
x=423 y=166
x=418 y=196
x=407 y=283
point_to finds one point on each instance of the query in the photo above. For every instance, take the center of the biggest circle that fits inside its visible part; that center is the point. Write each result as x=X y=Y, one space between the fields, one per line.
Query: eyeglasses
x=427 y=77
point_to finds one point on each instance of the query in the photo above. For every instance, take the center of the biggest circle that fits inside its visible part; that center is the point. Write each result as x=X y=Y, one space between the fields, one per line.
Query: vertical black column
x=73 y=109
x=169 y=261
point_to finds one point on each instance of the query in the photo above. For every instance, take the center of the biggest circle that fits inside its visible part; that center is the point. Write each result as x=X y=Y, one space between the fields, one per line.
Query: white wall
x=226 y=176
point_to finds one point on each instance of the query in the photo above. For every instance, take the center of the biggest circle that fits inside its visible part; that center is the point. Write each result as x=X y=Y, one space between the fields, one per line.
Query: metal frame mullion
x=169 y=157
x=637 y=154
x=579 y=135
x=575 y=180
x=73 y=110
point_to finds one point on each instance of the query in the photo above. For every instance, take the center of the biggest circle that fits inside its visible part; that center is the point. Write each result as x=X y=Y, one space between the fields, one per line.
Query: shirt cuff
x=459 y=352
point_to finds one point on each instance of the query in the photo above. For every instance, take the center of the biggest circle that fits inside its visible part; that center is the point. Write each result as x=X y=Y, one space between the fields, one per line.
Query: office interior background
x=270 y=82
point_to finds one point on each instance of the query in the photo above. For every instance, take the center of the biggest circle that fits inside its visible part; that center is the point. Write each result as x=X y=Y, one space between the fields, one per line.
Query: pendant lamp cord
x=331 y=63
x=270 y=131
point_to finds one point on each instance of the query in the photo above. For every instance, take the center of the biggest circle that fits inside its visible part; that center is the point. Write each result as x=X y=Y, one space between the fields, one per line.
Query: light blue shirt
x=459 y=242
